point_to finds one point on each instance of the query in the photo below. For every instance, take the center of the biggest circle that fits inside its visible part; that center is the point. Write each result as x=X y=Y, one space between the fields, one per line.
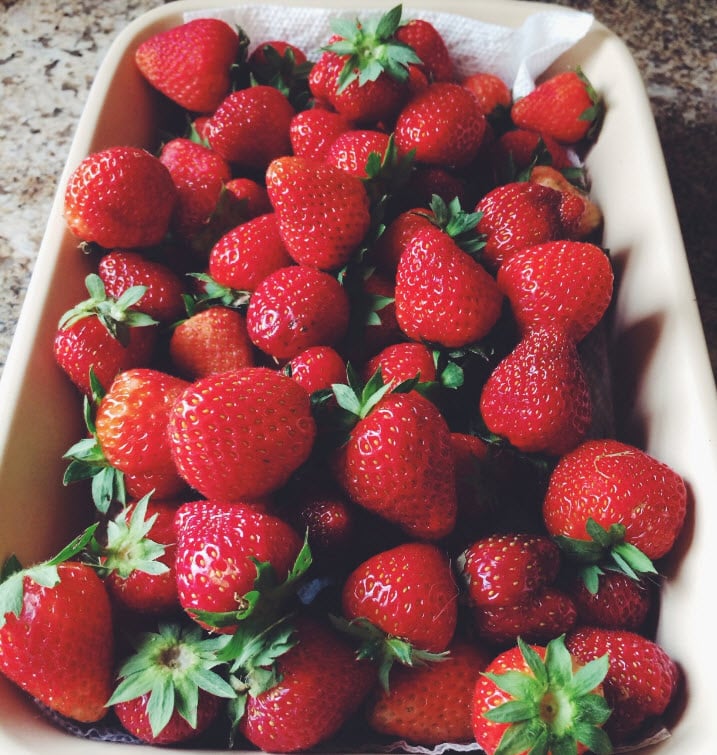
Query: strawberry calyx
x=595 y=113
x=214 y=293
x=460 y=225
x=553 y=707
x=371 y=49
x=606 y=549
x=282 y=71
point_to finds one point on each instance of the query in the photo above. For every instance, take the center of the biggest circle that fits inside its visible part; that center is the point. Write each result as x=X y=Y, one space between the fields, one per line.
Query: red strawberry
x=533 y=696
x=538 y=397
x=56 y=635
x=252 y=196
x=313 y=131
x=443 y=124
x=519 y=148
x=251 y=127
x=399 y=232
x=317 y=368
x=641 y=681
x=402 y=361
x=309 y=194
x=120 y=197
x=211 y=341
x=162 y=300
x=502 y=570
x=567 y=284
x=218 y=544
x=611 y=483
x=564 y=106
x=475 y=494
x=191 y=63
x=284 y=66
x=428 y=43
x=429 y=180
x=262 y=53
x=247 y=254
x=491 y=92
x=430 y=704
x=350 y=151
x=277 y=432
x=294 y=308
x=330 y=524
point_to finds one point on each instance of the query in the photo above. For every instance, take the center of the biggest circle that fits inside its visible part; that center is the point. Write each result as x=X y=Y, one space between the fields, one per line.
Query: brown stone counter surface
x=51 y=49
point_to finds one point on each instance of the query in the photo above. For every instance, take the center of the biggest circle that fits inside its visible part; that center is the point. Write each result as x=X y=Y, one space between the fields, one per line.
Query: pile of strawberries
x=340 y=439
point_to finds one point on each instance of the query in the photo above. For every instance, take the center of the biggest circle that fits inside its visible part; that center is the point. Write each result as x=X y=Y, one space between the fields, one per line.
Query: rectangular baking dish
x=665 y=392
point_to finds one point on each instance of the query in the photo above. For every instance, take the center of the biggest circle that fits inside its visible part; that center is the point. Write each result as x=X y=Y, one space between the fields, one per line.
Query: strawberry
x=564 y=106
x=294 y=308
x=252 y=196
x=350 y=151
x=402 y=361
x=538 y=397
x=218 y=547
x=391 y=244
x=309 y=194
x=443 y=296
x=443 y=124
x=277 y=432
x=541 y=699
x=248 y=253
x=284 y=66
x=103 y=334
x=430 y=704
x=519 y=148
x=504 y=569
x=317 y=368
x=169 y=690
x=491 y=92
x=251 y=127
x=475 y=494
x=329 y=522
x=210 y=341
x=614 y=483
x=427 y=181
x=191 y=63
x=312 y=132
x=120 y=197
x=567 y=284
x=406 y=600
x=162 y=300
x=398 y=461
x=428 y=43
x=56 y=633
x=641 y=680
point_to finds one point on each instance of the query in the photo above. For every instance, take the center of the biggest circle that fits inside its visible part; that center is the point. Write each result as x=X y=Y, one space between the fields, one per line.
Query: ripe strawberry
x=443 y=296
x=56 y=633
x=350 y=151
x=248 y=253
x=443 y=124
x=251 y=195
x=162 y=299
x=431 y=704
x=567 y=284
x=402 y=361
x=169 y=690
x=308 y=194
x=191 y=63
x=427 y=181
x=641 y=681
x=537 y=397
x=251 y=127
x=317 y=368
x=614 y=483
x=541 y=697
x=263 y=52
x=120 y=197
x=398 y=461
x=294 y=308
x=277 y=433
x=475 y=493
x=210 y=341
x=329 y=522
x=492 y=93
x=428 y=43
x=399 y=232
x=504 y=569
x=518 y=149
x=313 y=131
x=564 y=106
x=284 y=66
x=320 y=686
x=218 y=545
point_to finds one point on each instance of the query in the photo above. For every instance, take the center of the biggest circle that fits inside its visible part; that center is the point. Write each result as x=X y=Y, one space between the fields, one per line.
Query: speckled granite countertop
x=50 y=50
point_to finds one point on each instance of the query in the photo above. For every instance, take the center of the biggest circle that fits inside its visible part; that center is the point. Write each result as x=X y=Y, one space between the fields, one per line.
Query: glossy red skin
x=295 y=308
x=430 y=704
x=211 y=341
x=443 y=124
x=248 y=253
x=350 y=151
x=276 y=437
x=60 y=649
x=402 y=361
x=162 y=301
x=430 y=47
x=443 y=296
x=321 y=685
x=490 y=91
x=568 y=284
x=131 y=421
x=251 y=127
x=312 y=132
x=87 y=343
x=641 y=681
x=398 y=234
x=216 y=542
x=408 y=592
x=619 y=603
x=398 y=463
x=309 y=194
x=252 y=194
x=538 y=396
x=616 y=483
x=318 y=368
x=191 y=63
x=504 y=569
x=517 y=147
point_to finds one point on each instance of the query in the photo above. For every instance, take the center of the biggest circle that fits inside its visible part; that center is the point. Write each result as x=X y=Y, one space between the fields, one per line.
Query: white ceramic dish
x=665 y=390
